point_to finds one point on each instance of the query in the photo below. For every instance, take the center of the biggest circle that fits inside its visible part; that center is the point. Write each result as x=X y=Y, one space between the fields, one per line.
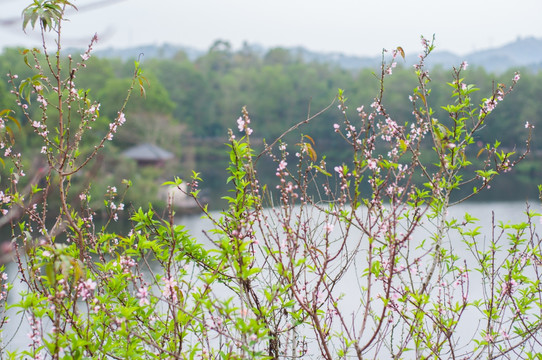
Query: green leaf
x=15 y=121
x=321 y=170
x=401 y=51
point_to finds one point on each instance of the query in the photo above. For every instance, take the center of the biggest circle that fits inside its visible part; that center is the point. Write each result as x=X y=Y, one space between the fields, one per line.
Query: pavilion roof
x=148 y=152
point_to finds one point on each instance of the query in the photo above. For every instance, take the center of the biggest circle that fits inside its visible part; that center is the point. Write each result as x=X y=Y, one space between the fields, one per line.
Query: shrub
x=359 y=259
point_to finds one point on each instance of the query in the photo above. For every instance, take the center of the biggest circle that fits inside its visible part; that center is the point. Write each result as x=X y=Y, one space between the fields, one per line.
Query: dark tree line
x=189 y=105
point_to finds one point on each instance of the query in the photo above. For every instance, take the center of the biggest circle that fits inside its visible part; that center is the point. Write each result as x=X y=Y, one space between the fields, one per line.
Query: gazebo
x=148 y=155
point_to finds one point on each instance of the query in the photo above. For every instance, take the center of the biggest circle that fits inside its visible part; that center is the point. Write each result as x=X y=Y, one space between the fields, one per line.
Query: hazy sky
x=359 y=27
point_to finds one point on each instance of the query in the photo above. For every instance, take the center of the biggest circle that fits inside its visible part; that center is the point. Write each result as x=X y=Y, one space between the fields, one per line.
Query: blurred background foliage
x=189 y=106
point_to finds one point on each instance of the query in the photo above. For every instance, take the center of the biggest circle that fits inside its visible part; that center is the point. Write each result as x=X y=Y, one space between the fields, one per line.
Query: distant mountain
x=350 y=62
x=165 y=51
x=524 y=52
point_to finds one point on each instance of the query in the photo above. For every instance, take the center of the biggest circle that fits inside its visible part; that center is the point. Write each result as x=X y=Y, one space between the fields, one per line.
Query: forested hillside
x=523 y=52
x=189 y=105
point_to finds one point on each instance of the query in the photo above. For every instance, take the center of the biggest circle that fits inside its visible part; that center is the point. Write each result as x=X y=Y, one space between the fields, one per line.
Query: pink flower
x=90 y=284
x=122 y=119
x=143 y=294
x=84 y=289
x=169 y=290
x=240 y=123
x=464 y=65
x=490 y=105
x=390 y=189
x=329 y=228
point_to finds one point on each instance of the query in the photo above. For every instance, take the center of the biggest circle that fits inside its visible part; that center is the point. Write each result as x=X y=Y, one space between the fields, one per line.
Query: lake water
x=15 y=332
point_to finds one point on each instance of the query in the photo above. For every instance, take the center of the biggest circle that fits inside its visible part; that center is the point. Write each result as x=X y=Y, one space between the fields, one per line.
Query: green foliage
x=360 y=261
x=48 y=12
x=191 y=99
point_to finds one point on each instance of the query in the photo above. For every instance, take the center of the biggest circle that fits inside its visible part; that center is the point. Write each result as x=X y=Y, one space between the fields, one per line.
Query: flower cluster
x=86 y=55
x=4 y=289
x=113 y=127
x=85 y=289
x=126 y=264
x=508 y=287
x=143 y=296
x=243 y=122
x=169 y=291
x=35 y=333
x=5 y=199
x=40 y=128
